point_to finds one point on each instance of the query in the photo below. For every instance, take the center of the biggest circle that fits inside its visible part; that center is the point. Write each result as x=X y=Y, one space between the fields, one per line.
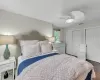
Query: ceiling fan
x=74 y=16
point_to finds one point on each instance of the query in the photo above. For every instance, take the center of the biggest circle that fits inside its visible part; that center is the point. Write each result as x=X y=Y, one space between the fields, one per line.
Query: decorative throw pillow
x=28 y=42
x=45 y=46
x=31 y=50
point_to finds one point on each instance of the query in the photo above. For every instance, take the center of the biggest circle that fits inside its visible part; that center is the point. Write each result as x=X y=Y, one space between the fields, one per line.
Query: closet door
x=69 y=42
x=93 y=43
x=76 y=41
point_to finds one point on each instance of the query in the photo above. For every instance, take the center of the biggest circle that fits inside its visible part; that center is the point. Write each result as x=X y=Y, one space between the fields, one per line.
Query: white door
x=76 y=41
x=69 y=42
x=93 y=44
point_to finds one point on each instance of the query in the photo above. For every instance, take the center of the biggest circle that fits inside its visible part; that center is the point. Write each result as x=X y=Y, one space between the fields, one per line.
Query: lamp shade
x=51 y=39
x=7 y=40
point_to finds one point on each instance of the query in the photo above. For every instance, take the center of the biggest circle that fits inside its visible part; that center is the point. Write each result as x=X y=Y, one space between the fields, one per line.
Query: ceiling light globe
x=69 y=20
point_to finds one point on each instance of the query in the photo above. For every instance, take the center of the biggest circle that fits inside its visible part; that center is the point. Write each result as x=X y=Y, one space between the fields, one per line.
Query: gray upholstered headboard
x=32 y=35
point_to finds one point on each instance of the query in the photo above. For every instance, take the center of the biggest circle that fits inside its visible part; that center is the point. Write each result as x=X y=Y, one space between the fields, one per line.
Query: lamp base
x=6 y=52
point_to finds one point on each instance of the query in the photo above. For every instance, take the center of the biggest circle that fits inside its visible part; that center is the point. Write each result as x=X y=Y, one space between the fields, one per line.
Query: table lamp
x=6 y=40
x=51 y=39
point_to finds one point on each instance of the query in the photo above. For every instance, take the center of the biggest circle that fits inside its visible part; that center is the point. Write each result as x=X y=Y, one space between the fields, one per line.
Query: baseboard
x=95 y=64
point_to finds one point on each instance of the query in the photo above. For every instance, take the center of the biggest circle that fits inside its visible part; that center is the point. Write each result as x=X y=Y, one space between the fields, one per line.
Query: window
x=57 y=35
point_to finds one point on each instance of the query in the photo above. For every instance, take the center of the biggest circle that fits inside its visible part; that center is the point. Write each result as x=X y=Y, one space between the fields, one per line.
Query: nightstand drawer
x=61 y=50
x=58 y=45
x=6 y=67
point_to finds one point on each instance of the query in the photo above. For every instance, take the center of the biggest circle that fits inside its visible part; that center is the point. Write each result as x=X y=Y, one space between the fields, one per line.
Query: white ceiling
x=50 y=10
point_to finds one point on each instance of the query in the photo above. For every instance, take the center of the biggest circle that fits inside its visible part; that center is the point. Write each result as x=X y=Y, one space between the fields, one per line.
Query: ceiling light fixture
x=69 y=20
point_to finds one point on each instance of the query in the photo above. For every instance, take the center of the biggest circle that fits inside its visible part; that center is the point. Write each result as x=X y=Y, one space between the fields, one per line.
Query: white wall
x=82 y=27
x=13 y=24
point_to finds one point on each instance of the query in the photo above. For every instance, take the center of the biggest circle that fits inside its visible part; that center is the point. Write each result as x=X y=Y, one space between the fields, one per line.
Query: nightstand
x=6 y=65
x=60 y=47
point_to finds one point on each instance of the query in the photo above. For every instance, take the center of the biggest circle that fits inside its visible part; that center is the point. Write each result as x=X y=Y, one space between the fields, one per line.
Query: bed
x=52 y=66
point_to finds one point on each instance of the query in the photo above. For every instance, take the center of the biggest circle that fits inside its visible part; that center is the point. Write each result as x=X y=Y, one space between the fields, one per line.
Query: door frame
x=85 y=35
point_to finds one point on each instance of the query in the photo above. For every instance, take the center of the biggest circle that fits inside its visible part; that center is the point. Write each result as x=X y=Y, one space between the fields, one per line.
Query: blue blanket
x=30 y=61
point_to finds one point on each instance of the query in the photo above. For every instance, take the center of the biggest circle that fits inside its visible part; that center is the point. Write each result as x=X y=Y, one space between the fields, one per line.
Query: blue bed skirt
x=89 y=75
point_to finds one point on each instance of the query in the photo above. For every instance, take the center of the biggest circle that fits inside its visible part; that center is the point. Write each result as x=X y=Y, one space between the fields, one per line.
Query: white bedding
x=58 y=67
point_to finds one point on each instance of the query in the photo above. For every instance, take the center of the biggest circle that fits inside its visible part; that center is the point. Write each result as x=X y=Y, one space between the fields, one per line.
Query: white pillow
x=30 y=50
x=45 y=47
x=28 y=42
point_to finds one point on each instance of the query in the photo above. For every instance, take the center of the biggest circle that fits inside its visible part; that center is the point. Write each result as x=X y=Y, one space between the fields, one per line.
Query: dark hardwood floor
x=96 y=69
x=97 y=76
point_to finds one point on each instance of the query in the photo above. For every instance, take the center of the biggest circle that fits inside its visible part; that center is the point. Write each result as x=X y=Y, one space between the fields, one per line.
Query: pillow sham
x=45 y=46
x=28 y=42
x=30 y=50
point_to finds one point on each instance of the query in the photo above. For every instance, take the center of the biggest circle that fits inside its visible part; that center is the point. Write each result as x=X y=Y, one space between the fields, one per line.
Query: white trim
x=85 y=36
x=92 y=27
